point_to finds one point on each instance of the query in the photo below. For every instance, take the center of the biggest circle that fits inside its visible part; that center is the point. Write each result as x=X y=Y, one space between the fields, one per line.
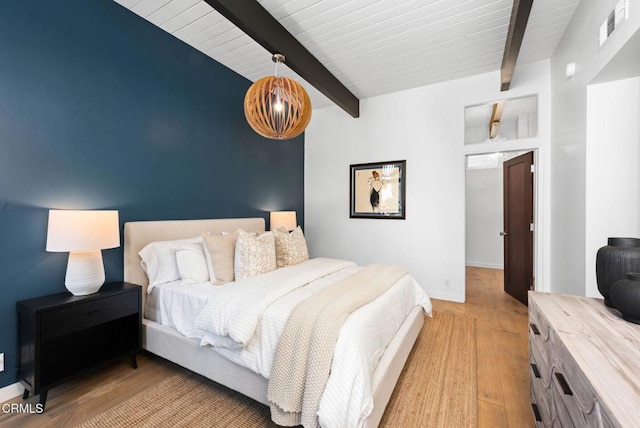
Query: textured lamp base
x=85 y=272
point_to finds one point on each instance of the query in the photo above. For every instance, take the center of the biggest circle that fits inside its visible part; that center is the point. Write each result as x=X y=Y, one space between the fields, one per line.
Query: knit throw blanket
x=302 y=362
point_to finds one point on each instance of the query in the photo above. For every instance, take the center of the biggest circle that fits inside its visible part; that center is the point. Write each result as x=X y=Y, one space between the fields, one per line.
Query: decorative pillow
x=291 y=248
x=159 y=261
x=192 y=264
x=219 y=251
x=255 y=254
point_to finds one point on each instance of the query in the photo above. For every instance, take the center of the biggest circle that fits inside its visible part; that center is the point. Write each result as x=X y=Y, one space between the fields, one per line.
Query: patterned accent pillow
x=291 y=248
x=255 y=254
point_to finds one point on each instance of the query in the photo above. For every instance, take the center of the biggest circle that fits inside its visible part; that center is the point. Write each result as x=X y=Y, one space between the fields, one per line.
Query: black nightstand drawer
x=85 y=315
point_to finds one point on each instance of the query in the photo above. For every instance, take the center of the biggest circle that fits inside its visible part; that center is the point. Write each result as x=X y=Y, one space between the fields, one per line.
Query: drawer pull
x=563 y=384
x=90 y=313
x=534 y=329
x=536 y=372
x=536 y=412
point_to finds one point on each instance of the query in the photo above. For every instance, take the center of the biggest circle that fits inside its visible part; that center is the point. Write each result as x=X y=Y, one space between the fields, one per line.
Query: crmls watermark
x=22 y=408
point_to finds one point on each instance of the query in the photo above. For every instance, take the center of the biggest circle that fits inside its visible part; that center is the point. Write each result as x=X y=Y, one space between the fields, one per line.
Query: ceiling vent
x=616 y=17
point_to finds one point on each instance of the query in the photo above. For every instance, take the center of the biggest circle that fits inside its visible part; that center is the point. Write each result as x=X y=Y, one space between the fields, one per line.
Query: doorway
x=485 y=240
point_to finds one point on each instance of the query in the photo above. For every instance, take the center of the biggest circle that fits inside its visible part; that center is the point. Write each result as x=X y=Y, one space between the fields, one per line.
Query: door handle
x=503 y=233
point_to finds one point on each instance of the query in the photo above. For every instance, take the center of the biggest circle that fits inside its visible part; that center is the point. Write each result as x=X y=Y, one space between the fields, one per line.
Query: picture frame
x=377 y=190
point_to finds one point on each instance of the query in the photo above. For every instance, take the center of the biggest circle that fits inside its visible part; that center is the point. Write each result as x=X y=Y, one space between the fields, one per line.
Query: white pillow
x=291 y=248
x=159 y=261
x=192 y=264
x=255 y=254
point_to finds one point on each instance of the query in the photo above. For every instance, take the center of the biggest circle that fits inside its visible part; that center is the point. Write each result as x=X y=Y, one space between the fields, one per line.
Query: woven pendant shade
x=277 y=107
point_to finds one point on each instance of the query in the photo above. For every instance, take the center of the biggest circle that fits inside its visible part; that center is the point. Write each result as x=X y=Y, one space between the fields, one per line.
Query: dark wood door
x=518 y=226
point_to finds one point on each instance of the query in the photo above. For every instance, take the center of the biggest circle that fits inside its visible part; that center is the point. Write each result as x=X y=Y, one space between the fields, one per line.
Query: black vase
x=625 y=297
x=619 y=257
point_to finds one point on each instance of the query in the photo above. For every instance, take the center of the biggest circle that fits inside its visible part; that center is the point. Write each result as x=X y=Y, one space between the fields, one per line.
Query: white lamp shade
x=82 y=230
x=286 y=219
x=83 y=233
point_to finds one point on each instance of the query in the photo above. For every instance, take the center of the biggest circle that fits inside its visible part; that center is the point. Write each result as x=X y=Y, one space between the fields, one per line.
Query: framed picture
x=378 y=190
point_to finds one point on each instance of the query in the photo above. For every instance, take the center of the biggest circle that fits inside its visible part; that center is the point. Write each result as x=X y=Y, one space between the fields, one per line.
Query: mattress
x=177 y=306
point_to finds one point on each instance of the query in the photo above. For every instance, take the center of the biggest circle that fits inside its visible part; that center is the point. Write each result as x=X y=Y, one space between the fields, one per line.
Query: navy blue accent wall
x=100 y=109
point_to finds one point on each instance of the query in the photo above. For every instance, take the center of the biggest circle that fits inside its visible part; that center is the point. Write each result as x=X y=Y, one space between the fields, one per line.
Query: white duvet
x=244 y=321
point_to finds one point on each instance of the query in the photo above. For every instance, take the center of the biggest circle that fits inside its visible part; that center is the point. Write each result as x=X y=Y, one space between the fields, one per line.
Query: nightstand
x=62 y=335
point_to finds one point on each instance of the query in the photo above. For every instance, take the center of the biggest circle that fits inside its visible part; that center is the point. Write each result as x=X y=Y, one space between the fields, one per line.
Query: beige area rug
x=437 y=388
x=439 y=384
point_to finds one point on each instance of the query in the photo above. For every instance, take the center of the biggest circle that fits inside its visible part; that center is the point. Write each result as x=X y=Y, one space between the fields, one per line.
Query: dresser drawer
x=560 y=414
x=540 y=395
x=575 y=390
x=540 y=334
x=72 y=318
x=537 y=418
x=540 y=360
x=581 y=417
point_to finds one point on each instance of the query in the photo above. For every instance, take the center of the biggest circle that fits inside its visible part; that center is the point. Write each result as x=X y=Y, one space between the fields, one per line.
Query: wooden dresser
x=584 y=363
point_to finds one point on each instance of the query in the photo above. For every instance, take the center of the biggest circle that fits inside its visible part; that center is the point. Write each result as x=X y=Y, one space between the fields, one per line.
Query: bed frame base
x=392 y=362
x=167 y=343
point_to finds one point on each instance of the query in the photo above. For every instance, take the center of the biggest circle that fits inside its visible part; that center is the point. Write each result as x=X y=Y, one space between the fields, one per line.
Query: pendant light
x=277 y=107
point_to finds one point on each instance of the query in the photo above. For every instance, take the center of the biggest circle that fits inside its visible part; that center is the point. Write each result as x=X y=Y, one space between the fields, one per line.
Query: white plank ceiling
x=373 y=47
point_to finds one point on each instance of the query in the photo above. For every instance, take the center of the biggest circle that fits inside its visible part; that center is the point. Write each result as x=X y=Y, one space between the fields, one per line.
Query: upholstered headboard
x=137 y=234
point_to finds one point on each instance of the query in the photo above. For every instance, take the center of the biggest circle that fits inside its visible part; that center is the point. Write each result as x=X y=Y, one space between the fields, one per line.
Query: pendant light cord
x=277 y=58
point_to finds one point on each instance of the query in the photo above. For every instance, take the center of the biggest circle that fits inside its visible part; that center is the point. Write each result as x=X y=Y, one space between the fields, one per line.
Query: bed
x=187 y=350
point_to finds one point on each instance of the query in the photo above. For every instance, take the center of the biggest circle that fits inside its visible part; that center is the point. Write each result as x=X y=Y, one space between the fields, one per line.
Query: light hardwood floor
x=503 y=349
x=503 y=370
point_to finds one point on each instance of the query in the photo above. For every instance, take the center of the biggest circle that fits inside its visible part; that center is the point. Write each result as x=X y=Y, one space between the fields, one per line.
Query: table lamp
x=83 y=233
x=286 y=219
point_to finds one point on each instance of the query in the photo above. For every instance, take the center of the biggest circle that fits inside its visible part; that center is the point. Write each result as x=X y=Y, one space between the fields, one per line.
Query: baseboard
x=486 y=265
x=443 y=295
x=11 y=391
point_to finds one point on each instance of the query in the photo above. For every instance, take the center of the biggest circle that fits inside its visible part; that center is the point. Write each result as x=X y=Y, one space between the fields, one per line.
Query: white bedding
x=237 y=310
x=177 y=306
x=348 y=398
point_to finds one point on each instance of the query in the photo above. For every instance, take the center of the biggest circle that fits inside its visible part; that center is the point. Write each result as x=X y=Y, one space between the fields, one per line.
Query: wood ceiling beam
x=261 y=26
x=496 y=117
x=518 y=24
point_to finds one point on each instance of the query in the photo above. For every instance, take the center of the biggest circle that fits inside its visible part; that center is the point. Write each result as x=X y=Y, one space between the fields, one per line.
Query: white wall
x=425 y=126
x=579 y=44
x=613 y=162
x=484 y=212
